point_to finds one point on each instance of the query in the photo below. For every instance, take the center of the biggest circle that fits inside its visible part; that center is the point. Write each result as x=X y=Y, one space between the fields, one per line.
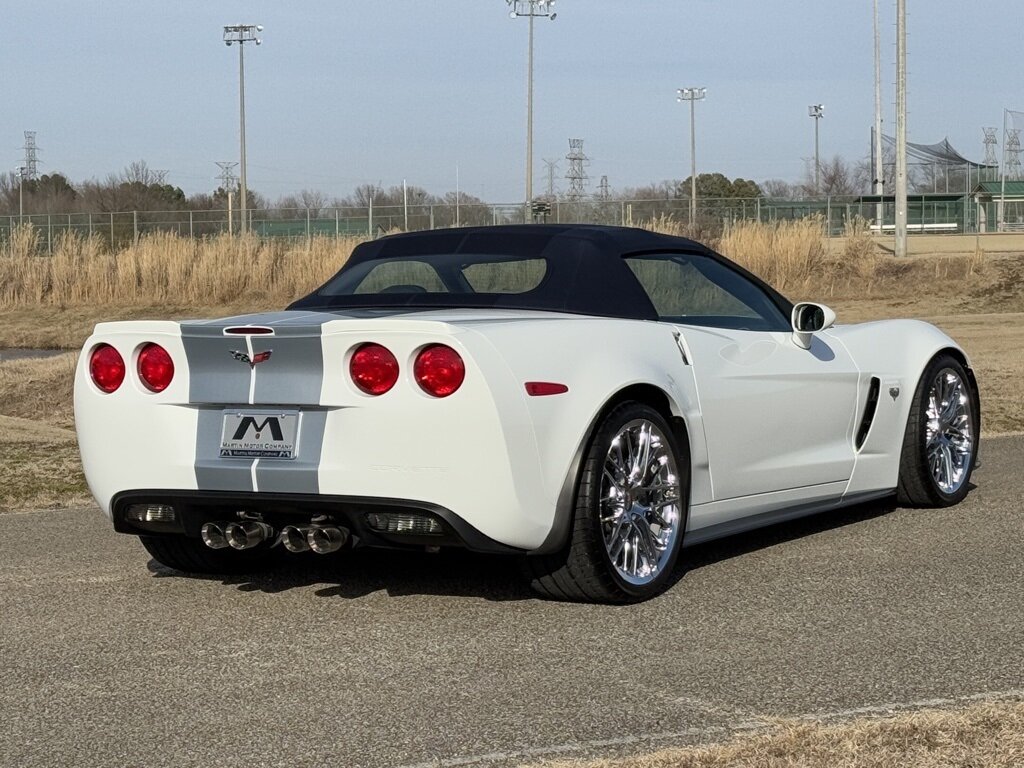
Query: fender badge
x=894 y=392
x=259 y=357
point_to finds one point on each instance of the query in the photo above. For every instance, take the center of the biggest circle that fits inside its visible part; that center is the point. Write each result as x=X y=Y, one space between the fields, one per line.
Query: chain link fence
x=927 y=213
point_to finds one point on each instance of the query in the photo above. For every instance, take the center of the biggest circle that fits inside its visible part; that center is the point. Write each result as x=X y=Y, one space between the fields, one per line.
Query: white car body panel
x=771 y=426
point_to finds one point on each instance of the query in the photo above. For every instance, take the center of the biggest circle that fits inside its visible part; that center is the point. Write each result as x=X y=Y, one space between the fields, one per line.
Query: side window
x=695 y=290
x=402 y=276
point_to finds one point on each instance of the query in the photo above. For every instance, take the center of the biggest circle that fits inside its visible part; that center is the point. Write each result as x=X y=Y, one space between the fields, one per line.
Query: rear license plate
x=259 y=434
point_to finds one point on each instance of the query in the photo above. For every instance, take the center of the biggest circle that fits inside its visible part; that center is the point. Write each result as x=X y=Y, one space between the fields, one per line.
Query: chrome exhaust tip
x=295 y=538
x=247 y=534
x=213 y=535
x=326 y=539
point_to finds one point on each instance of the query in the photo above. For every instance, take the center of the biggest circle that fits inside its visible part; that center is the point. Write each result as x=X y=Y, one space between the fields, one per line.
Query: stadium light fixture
x=530 y=9
x=242 y=34
x=692 y=95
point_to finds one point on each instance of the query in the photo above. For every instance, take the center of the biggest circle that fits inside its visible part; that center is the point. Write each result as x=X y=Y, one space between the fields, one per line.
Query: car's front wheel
x=941 y=441
x=192 y=556
x=630 y=514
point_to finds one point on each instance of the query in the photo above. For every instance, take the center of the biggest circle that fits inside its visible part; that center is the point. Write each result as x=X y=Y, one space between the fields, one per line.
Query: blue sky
x=343 y=93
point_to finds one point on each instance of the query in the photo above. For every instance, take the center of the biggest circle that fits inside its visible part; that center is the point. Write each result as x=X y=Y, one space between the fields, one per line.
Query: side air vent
x=249 y=330
x=869 y=411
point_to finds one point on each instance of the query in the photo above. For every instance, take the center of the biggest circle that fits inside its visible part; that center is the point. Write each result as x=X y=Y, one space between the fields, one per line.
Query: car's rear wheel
x=940 y=445
x=630 y=514
x=192 y=556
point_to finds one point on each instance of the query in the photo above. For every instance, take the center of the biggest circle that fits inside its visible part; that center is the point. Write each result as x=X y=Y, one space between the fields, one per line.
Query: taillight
x=106 y=367
x=439 y=370
x=156 y=369
x=373 y=369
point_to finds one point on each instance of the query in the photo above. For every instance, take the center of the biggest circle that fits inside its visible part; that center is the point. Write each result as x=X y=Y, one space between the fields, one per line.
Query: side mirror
x=809 y=318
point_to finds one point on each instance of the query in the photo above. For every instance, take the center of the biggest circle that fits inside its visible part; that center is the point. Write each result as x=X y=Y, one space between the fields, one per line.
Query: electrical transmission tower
x=577 y=174
x=228 y=181
x=1013 y=166
x=552 y=168
x=31 y=166
x=603 y=192
x=991 y=142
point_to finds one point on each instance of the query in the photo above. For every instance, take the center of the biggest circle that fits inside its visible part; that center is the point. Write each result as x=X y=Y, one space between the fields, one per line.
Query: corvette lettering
x=259 y=357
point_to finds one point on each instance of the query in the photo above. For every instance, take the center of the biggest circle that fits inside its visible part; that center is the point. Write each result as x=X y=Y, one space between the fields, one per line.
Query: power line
x=577 y=174
x=31 y=169
x=991 y=142
x=552 y=167
x=1013 y=164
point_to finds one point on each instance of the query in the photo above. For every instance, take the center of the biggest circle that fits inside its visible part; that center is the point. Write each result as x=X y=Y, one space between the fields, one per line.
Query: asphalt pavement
x=398 y=659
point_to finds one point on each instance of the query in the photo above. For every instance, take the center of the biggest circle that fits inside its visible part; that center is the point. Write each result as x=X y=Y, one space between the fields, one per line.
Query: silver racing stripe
x=298 y=475
x=292 y=376
x=212 y=472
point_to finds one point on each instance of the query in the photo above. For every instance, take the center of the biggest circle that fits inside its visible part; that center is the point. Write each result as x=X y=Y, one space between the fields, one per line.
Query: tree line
x=137 y=188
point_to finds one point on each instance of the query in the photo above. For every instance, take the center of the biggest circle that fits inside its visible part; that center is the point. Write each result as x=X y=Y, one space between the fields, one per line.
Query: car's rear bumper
x=194 y=508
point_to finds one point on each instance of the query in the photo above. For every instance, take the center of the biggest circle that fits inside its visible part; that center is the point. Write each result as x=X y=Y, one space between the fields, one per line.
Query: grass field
x=985 y=735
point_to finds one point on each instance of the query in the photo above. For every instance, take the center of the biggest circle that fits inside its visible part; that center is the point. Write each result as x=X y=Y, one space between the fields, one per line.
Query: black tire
x=192 y=556
x=583 y=571
x=918 y=486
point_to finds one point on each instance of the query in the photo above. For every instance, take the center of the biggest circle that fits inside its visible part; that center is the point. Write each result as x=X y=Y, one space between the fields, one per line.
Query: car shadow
x=399 y=573
x=712 y=552
x=357 y=573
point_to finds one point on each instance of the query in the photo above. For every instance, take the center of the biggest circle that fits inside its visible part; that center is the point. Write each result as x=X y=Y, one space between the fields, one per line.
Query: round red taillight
x=106 y=367
x=373 y=369
x=439 y=370
x=156 y=369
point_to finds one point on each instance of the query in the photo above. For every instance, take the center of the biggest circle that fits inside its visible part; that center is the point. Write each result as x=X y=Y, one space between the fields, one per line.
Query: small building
x=999 y=208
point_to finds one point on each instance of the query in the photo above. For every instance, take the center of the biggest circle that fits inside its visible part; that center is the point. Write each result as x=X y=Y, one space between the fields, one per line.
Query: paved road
x=392 y=659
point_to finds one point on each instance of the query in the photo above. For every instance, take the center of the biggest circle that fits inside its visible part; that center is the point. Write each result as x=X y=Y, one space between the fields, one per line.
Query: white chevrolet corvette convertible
x=593 y=399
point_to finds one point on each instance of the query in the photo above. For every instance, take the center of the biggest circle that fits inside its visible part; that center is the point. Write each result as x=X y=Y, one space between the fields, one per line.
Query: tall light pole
x=242 y=34
x=879 y=174
x=817 y=111
x=692 y=95
x=531 y=9
x=900 y=248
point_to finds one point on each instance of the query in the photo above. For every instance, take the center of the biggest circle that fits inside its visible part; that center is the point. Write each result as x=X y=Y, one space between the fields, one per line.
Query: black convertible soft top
x=585 y=274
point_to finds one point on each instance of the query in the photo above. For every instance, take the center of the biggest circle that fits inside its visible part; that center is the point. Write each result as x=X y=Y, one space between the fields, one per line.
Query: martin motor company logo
x=270 y=422
x=259 y=357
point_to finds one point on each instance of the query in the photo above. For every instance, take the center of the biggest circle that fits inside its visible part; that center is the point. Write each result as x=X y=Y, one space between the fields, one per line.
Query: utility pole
x=227 y=183
x=901 y=129
x=879 y=174
x=692 y=95
x=817 y=111
x=552 y=166
x=531 y=9
x=242 y=34
x=21 y=171
x=31 y=157
x=577 y=174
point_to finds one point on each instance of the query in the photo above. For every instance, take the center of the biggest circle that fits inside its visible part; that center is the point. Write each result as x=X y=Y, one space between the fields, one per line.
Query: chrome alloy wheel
x=949 y=431
x=640 y=508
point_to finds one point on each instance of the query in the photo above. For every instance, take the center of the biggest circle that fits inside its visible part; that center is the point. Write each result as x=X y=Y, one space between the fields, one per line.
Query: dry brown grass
x=39 y=462
x=164 y=268
x=985 y=735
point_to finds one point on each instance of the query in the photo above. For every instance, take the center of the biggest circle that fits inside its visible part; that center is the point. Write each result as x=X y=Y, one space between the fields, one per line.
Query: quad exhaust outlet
x=246 y=534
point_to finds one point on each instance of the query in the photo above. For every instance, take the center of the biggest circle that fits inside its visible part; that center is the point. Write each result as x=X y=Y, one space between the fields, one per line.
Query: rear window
x=440 y=273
